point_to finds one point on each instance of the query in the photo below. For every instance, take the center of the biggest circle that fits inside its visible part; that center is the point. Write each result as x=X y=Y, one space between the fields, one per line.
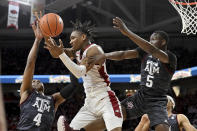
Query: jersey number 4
x=37 y=119
x=149 y=81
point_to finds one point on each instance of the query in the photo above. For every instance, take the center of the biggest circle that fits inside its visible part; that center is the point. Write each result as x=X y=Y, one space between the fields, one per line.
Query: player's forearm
x=142 y=43
x=117 y=55
x=30 y=66
x=33 y=53
x=77 y=70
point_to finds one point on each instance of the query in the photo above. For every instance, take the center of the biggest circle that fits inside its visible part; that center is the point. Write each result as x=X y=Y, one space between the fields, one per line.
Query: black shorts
x=140 y=104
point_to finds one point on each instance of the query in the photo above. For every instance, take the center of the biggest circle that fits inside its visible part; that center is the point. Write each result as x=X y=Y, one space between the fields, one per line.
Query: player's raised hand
x=37 y=31
x=120 y=25
x=36 y=27
x=53 y=48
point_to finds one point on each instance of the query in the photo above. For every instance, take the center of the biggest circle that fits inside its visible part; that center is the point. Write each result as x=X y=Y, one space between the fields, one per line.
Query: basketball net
x=188 y=13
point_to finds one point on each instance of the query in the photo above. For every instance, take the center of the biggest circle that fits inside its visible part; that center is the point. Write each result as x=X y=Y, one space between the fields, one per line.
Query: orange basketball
x=51 y=25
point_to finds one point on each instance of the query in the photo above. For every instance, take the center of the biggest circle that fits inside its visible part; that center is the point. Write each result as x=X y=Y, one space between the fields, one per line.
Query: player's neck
x=169 y=112
x=164 y=48
x=85 y=45
x=41 y=92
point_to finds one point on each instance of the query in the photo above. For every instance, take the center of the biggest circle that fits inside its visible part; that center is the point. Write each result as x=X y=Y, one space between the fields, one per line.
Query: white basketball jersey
x=96 y=80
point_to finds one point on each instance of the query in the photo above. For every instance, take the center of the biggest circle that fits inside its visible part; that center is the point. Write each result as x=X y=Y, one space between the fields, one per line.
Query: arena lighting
x=24 y=2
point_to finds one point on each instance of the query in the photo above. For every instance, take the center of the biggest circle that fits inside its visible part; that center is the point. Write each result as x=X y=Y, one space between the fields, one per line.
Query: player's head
x=38 y=85
x=159 y=39
x=82 y=33
x=130 y=92
x=171 y=103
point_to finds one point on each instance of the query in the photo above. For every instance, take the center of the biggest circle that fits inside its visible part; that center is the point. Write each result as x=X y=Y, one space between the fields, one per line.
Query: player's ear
x=163 y=42
x=84 y=36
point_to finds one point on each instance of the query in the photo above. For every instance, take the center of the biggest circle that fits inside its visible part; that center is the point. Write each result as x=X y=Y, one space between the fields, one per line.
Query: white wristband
x=77 y=70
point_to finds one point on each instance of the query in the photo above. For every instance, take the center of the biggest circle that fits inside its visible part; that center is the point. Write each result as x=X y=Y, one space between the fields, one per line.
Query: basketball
x=51 y=25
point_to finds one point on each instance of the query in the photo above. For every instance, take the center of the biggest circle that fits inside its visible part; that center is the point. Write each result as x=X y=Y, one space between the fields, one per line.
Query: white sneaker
x=61 y=123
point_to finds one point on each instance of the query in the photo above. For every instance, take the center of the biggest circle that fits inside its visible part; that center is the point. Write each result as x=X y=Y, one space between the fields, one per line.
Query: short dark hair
x=164 y=35
x=85 y=28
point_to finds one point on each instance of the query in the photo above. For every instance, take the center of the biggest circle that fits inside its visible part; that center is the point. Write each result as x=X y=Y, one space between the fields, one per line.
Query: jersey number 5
x=37 y=119
x=149 y=81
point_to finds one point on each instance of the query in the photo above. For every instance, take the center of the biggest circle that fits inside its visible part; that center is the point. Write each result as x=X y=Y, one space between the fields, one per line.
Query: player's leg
x=131 y=106
x=129 y=110
x=99 y=124
x=83 y=118
x=62 y=124
x=162 y=127
x=111 y=111
x=157 y=114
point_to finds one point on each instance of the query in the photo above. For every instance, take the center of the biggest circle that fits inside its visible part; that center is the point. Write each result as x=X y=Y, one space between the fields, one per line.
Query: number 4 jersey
x=37 y=113
x=155 y=75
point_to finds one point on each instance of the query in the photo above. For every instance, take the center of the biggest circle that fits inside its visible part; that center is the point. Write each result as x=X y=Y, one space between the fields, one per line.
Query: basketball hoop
x=188 y=12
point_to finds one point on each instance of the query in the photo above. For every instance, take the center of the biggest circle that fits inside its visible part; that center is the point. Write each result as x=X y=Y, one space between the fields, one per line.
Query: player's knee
x=145 y=118
x=162 y=127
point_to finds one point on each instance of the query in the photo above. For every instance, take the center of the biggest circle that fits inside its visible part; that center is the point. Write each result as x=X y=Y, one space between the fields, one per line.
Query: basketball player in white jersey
x=100 y=101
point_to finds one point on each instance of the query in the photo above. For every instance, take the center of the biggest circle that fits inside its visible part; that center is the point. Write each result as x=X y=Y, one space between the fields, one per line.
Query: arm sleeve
x=77 y=70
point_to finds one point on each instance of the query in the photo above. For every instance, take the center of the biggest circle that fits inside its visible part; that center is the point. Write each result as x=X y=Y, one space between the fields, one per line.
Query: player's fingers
x=40 y=14
x=52 y=41
x=118 y=19
x=90 y=60
x=49 y=43
x=61 y=43
x=46 y=43
x=37 y=25
x=116 y=27
x=36 y=14
x=33 y=26
x=47 y=47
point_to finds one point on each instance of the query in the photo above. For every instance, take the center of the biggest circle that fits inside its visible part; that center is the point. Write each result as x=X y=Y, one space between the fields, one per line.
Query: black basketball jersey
x=155 y=75
x=173 y=122
x=37 y=113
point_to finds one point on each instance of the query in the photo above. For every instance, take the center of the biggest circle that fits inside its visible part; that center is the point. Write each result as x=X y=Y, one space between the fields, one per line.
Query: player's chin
x=75 y=48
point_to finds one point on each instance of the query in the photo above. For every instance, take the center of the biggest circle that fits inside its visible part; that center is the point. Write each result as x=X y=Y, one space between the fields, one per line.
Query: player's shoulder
x=94 y=49
x=181 y=117
x=94 y=46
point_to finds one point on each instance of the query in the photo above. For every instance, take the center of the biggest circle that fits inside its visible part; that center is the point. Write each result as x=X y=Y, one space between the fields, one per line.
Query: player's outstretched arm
x=31 y=60
x=116 y=55
x=77 y=70
x=184 y=123
x=144 y=124
x=121 y=55
x=145 y=45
